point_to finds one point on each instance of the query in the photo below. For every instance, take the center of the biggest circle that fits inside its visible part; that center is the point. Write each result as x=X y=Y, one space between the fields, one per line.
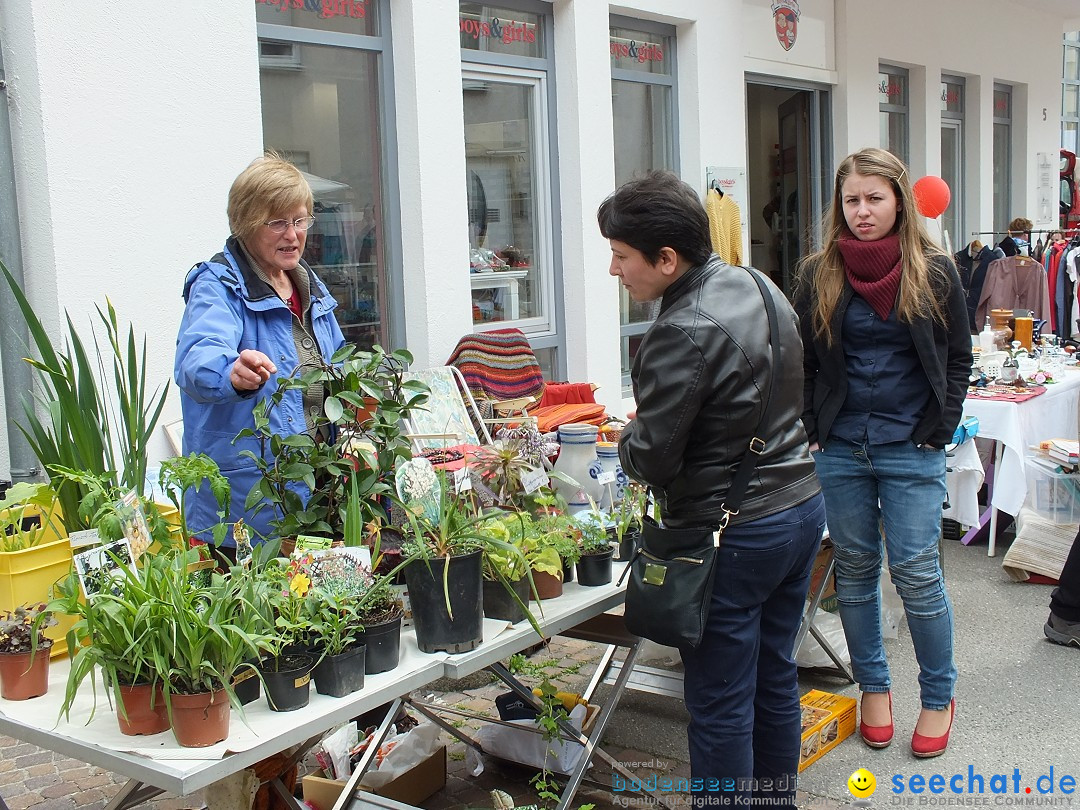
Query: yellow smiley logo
x=862 y=784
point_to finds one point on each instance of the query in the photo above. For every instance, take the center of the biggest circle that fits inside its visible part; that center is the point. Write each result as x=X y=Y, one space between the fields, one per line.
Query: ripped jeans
x=897 y=489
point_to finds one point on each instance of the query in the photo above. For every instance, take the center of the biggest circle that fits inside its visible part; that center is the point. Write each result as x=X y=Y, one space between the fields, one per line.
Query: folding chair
x=450 y=416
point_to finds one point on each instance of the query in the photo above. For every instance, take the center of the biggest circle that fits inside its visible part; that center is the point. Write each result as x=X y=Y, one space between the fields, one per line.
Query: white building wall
x=930 y=37
x=128 y=129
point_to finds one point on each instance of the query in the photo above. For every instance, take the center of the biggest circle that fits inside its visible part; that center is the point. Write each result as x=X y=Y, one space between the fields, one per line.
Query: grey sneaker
x=1062 y=632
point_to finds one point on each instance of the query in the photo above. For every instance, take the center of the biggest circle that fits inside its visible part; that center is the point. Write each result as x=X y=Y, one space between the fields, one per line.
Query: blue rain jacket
x=230 y=309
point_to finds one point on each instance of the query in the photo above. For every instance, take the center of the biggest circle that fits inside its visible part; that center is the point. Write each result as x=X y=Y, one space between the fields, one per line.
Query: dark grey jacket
x=699 y=377
x=944 y=351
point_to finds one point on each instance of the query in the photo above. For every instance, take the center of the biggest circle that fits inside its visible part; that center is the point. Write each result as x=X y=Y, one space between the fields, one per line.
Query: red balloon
x=932 y=196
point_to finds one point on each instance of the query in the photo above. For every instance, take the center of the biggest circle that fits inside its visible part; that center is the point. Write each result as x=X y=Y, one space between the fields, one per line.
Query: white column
x=431 y=168
x=587 y=176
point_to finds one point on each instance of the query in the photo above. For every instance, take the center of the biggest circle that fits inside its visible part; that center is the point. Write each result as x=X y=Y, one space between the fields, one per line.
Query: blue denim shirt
x=887 y=387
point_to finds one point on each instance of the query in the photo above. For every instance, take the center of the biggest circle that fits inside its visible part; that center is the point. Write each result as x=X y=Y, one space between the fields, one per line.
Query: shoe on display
x=1060 y=631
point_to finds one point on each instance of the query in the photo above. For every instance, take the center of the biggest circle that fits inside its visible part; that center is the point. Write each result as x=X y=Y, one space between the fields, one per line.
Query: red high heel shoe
x=877 y=736
x=925 y=747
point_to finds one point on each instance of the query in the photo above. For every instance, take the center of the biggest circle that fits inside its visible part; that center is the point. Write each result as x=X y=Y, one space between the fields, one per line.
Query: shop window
x=321 y=108
x=644 y=119
x=893 y=110
x=495 y=29
x=510 y=268
x=1002 y=155
x=1070 y=92
x=952 y=157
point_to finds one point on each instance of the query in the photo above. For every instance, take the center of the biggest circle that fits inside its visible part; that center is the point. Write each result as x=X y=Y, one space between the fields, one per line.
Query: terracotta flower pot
x=548 y=586
x=142 y=717
x=21 y=678
x=200 y=720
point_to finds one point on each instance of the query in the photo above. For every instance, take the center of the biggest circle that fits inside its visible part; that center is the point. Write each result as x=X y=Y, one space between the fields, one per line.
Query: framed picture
x=174 y=431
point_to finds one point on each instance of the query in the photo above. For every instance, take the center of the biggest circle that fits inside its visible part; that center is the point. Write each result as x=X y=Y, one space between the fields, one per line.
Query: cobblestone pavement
x=31 y=777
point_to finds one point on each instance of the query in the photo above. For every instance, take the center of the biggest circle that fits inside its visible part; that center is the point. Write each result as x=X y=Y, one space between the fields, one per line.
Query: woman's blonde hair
x=821 y=275
x=269 y=187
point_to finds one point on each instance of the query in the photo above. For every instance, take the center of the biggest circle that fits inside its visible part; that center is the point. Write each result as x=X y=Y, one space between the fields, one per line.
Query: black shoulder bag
x=671 y=573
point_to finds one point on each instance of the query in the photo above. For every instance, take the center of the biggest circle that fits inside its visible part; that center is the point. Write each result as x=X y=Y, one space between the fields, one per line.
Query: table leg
x=513 y=306
x=132 y=794
x=999 y=449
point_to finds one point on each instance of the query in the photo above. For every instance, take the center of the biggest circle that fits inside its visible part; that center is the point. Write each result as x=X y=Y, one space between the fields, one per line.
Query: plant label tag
x=462 y=481
x=533 y=478
x=86 y=537
x=305 y=542
x=606 y=477
x=101 y=568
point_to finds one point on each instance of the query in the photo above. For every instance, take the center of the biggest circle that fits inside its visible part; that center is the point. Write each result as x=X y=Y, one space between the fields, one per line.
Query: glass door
x=795 y=189
x=510 y=252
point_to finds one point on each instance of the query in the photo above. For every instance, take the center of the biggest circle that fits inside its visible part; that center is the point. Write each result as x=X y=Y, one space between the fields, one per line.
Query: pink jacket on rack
x=1015 y=282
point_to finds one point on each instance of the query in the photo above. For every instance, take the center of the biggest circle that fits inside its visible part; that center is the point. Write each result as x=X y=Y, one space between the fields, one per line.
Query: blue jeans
x=898 y=489
x=741 y=683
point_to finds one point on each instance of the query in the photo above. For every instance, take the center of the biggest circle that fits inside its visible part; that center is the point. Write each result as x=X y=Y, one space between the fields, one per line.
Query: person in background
x=1063 y=625
x=699 y=377
x=887 y=356
x=1020 y=233
x=255 y=311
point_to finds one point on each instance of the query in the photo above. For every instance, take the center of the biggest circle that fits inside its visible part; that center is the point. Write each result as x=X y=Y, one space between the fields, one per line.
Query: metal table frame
x=152 y=776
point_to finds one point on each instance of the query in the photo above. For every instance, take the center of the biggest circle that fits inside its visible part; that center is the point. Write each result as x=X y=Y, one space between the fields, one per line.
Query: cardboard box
x=828 y=596
x=826 y=720
x=412 y=787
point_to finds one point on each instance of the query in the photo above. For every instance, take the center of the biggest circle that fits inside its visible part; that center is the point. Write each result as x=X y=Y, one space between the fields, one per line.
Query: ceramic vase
x=577 y=454
x=607 y=461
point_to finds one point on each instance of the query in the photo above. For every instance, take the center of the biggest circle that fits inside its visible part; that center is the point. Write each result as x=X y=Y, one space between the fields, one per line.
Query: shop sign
x=890 y=89
x=326 y=9
x=786 y=16
x=496 y=29
x=638 y=51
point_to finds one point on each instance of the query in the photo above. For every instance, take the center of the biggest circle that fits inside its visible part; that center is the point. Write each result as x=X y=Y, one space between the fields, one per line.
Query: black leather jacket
x=700 y=376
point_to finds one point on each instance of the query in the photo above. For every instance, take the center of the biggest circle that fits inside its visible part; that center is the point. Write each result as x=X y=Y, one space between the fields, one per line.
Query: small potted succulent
x=24 y=652
x=594 y=541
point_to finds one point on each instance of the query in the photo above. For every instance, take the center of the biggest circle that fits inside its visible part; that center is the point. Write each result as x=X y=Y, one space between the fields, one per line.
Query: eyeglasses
x=282 y=225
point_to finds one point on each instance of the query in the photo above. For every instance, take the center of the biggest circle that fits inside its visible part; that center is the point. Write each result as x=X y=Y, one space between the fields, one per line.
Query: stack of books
x=1065 y=452
x=1040 y=547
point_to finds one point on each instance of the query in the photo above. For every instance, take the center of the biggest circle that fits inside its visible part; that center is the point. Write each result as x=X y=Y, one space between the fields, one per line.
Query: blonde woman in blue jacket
x=254 y=312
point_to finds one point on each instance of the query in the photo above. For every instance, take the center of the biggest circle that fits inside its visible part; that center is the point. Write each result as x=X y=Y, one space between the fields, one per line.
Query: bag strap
x=741 y=481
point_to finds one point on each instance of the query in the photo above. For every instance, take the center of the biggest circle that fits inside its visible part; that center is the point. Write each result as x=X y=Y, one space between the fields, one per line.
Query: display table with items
x=1015 y=425
x=156 y=763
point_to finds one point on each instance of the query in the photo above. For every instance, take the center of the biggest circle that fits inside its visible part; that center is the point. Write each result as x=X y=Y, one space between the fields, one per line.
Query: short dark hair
x=655 y=211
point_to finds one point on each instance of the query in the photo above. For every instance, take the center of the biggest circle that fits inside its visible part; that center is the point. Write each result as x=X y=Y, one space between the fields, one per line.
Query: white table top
x=1019 y=425
x=158 y=760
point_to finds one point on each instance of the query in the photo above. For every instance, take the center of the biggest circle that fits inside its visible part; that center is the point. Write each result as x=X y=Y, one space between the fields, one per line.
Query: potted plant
x=594 y=542
x=282 y=616
x=112 y=633
x=34 y=551
x=24 y=652
x=354 y=444
x=201 y=636
x=627 y=515
x=77 y=422
x=339 y=583
x=180 y=475
x=446 y=545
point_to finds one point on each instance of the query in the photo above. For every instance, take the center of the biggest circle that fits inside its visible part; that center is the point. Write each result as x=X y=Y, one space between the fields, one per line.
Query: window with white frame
x=323 y=106
x=644 y=114
x=952 y=157
x=1002 y=155
x=1070 y=93
x=893 y=109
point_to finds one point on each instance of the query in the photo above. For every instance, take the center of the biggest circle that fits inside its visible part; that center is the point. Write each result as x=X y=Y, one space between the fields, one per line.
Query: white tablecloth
x=1018 y=426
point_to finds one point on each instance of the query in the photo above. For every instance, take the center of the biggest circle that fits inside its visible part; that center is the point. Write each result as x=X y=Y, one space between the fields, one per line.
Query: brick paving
x=31 y=777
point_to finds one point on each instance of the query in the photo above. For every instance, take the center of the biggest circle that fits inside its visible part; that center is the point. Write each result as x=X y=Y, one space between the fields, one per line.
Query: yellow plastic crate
x=27 y=576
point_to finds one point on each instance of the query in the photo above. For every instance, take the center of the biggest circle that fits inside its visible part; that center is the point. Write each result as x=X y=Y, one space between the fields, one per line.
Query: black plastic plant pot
x=567 y=572
x=287 y=685
x=629 y=543
x=383 y=642
x=246 y=685
x=500 y=604
x=435 y=630
x=342 y=674
x=595 y=569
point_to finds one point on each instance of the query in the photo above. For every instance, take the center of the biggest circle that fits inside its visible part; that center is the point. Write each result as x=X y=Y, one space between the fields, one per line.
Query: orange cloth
x=550 y=417
x=563 y=393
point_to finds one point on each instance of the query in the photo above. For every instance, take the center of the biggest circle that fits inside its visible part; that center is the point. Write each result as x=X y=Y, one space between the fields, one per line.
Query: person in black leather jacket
x=699 y=379
x=888 y=355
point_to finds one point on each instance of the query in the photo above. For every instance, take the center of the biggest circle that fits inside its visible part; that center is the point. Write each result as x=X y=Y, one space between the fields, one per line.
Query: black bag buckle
x=757 y=445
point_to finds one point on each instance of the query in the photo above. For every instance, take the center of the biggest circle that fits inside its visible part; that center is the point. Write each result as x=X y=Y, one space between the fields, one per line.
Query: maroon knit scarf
x=873 y=268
